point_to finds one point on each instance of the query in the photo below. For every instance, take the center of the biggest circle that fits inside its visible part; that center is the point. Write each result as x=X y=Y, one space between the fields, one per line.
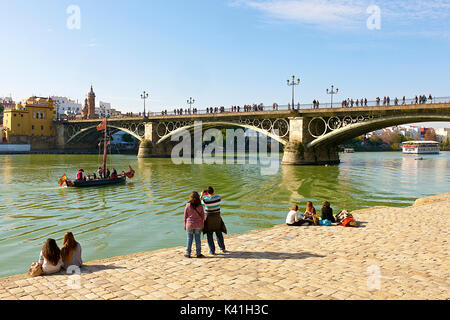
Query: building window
x=15 y=115
x=42 y=127
x=18 y=124
x=21 y=115
x=32 y=127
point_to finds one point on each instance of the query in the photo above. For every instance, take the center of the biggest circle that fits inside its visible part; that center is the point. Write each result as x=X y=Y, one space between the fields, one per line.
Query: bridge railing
x=276 y=107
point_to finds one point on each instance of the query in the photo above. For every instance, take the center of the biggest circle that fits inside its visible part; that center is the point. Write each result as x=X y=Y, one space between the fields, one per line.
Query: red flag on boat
x=130 y=174
x=101 y=126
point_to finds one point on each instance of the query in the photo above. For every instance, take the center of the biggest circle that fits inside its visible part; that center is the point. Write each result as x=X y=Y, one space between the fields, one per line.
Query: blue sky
x=228 y=52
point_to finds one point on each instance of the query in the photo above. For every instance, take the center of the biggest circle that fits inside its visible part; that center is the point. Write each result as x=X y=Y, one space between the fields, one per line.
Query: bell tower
x=91 y=104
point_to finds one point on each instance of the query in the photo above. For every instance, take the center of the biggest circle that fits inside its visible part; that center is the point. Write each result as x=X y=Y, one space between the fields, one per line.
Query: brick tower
x=91 y=104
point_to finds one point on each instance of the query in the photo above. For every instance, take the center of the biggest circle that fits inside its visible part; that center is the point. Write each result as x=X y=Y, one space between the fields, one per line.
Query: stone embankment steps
x=397 y=253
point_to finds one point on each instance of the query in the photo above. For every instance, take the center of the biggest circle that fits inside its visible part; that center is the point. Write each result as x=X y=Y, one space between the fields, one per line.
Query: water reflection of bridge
x=310 y=136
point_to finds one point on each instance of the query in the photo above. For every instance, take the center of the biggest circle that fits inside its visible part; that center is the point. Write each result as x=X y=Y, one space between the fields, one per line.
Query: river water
x=147 y=213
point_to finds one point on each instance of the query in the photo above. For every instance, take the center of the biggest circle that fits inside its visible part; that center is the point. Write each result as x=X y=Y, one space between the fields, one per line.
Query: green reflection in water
x=147 y=213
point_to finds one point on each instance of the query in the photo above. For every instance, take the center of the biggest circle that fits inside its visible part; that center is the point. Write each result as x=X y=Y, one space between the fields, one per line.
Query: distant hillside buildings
x=415 y=132
x=69 y=109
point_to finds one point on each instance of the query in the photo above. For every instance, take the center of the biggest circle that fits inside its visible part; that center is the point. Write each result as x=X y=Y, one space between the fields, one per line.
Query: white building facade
x=66 y=106
x=106 y=107
x=443 y=134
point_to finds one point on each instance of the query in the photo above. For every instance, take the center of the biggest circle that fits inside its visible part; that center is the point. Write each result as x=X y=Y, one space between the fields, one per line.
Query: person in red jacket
x=80 y=175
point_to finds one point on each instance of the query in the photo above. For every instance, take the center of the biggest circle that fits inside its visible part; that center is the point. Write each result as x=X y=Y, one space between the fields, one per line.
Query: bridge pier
x=148 y=148
x=296 y=152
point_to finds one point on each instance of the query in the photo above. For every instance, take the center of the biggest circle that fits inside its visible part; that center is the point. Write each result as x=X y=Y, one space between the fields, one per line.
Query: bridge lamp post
x=293 y=83
x=144 y=96
x=332 y=92
x=190 y=103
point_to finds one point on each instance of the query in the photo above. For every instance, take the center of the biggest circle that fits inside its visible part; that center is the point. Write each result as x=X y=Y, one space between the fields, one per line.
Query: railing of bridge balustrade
x=276 y=107
x=336 y=105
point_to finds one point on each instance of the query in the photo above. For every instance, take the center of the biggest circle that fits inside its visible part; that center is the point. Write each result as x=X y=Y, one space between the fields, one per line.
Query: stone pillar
x=150 y=137
x=60 y=136
x=149 y=147
x=296 y=152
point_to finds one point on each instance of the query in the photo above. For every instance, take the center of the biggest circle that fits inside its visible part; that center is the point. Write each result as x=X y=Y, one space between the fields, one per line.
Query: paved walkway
x=395 y=254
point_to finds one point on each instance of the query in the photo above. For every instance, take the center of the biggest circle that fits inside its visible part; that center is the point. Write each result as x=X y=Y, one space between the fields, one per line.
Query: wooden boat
x=86 y=183
x=97 y=182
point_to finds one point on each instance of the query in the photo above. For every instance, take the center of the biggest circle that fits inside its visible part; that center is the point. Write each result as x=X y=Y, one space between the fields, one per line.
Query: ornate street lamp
x=332 y=92
x=293 y=83
x=144 y=96
x=190 y=103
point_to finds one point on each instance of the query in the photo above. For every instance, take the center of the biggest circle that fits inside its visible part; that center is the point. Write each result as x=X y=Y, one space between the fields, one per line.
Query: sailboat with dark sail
x=104 y=179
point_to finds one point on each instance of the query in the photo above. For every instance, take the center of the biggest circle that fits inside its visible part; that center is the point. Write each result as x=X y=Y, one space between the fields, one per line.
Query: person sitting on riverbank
x=327 y=212
x=194 y=218
x=293 y=219
x=310 y=210
x=310 y=213
x=71 y=251
x=50 y=257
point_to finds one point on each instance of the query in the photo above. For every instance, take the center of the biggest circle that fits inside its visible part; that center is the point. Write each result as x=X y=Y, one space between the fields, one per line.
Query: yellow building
x=33 y=117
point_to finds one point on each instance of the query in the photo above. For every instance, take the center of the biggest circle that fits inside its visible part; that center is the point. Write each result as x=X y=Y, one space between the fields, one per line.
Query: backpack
x=342 y=215
x=325 y=223
x=345 y=219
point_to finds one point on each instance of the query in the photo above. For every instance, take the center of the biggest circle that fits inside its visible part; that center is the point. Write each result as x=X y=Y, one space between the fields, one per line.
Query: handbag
x=35 y=270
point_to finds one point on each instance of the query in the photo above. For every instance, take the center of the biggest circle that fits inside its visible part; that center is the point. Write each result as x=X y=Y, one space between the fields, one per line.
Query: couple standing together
x=195 y=222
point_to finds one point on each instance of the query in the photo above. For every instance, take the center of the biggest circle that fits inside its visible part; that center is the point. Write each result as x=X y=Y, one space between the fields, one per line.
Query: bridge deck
x=323 y=112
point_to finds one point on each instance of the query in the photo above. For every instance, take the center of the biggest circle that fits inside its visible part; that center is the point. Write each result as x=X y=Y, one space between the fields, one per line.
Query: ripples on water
x=147 y=213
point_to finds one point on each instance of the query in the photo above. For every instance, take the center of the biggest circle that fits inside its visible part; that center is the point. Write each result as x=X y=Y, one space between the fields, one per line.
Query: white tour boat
x=421 y=147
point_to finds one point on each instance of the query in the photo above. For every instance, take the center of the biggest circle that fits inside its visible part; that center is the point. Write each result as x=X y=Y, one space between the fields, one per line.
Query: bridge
x=309 y=136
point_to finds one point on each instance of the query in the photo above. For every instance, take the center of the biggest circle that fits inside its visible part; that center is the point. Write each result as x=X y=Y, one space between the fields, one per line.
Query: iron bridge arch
x=277 y=129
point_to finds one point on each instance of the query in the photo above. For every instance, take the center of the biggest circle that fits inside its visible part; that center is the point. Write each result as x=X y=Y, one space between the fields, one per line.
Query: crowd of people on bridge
x=386 y=101
x=349 y=103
